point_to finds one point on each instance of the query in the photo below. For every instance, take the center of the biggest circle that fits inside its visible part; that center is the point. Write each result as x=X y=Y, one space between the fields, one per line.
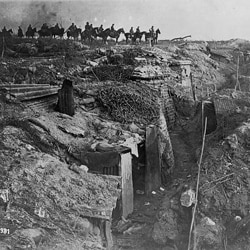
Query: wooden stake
x=3 y=47
x=108 y=235
x=237 y=74
x=192 y=87
x=197 y=189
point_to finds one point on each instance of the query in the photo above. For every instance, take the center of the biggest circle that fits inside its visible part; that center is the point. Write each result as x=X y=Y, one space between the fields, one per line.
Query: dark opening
x=138 y=168
x=209 y=112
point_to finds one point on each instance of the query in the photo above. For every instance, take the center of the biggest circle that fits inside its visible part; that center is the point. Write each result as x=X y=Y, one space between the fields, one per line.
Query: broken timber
x=180 y=38
x=33 y=95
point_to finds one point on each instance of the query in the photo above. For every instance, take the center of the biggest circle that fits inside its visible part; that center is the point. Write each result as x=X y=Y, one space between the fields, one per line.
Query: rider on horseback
x=131 y=31
x=138 y=30
x=20 y=32
x=87 y=26
x=57 y=26
x=4 y=30
x=29 y=28
x=44 y=26
x=151 y=31
x=100 y=29
x=72 y=27
x=112 y=27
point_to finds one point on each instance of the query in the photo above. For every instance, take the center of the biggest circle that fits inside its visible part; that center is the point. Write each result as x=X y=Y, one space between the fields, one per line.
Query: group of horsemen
x=88 y=28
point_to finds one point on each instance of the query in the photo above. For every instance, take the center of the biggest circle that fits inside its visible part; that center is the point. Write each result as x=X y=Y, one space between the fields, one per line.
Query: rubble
x=60 y=202
x=209 y=233
x=50 y=195
x=166 y=228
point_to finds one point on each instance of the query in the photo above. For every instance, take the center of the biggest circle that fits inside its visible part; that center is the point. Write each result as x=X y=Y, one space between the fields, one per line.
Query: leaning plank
x=108 y=235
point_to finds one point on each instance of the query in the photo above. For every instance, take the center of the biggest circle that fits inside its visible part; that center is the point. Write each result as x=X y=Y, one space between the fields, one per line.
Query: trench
x=185 y=142
x=146 y=208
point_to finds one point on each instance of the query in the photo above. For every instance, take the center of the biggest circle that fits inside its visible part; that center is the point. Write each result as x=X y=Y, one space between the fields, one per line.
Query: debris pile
x=45 y=190
x=112 y=73
x=224 y=182
x=40 y=192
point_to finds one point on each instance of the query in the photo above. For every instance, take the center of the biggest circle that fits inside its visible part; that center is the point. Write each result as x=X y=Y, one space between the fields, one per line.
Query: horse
x=128 y=36
x=95 y=33
x=9 y=32
x=89 y=34
x=103 y=34
x=148 y=35
x=56 y=31
x=110 y=33
x=30 y=33
x=116 y=34
x=138 y=35
x=44 y=32
x=153 y=37
x=20 y=33
x=74 y=33
x=6 y=33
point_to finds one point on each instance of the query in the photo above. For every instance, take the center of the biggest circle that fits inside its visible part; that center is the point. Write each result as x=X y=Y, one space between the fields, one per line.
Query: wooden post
x=108 y=234
x=193 y=87
x=153 y=163
x=66 y=98
x=3 y=47
x=202 y=117
x=237 y=74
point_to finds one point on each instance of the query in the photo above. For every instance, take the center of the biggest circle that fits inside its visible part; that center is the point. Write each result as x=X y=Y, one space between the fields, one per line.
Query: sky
x=202 y=19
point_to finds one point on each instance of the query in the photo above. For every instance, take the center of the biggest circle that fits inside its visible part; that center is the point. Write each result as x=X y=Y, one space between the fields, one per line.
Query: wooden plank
x=92 y=212
x=127 y=184
x=153 y=163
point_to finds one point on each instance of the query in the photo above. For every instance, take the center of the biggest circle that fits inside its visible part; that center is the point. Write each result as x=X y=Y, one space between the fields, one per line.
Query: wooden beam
x=180 y=38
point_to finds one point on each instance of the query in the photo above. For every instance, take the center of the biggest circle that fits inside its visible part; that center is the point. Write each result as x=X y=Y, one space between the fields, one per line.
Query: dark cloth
x=96 y=161
x=65 y=102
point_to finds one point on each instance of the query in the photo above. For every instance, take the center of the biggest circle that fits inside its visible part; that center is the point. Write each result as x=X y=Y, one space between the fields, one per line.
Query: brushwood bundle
x=113 y=73
x=130 y=102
